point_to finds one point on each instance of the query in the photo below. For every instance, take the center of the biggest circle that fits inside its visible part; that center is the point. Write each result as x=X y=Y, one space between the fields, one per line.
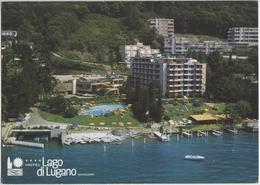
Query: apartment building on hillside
x=9 y=33
x=164 y=27
x=128 y=52
x=174 y=77
x=242 y=36
x=179 y=46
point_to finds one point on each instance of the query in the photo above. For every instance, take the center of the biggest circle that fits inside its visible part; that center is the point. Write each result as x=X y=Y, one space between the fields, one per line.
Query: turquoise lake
x=229 y=158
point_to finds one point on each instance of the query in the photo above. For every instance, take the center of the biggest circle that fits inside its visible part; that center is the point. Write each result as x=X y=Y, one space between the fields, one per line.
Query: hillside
x=92 y=31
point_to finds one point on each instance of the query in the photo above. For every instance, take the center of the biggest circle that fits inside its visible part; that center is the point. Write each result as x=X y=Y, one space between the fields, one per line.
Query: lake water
x=101 y=110
x=229 y=158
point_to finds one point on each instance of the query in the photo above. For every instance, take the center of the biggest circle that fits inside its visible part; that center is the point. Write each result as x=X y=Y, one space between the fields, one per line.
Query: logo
x=14 y=168
x=44 y=167
x=54 y=168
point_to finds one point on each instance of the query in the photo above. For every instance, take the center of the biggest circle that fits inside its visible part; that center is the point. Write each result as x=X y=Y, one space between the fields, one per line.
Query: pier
x=161 y=136
x=28 y=144
x=13 y=141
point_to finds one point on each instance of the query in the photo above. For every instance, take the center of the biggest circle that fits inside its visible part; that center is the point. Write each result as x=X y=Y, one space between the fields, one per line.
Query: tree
x=239 y=110
x=152 y=100
x=159 y=109
x=56 y=105
x=244 y=108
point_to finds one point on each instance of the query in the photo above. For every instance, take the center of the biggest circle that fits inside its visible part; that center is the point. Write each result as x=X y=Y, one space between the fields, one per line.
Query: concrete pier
x=27 y=144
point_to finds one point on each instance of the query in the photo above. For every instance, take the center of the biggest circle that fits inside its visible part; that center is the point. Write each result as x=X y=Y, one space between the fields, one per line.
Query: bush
x=197 y=102
x=70 y=112
x=166 y=117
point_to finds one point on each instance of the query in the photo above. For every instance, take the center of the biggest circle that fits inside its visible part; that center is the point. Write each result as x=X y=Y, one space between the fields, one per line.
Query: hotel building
x=128 y=52
x=174 y=77
x=243 y=36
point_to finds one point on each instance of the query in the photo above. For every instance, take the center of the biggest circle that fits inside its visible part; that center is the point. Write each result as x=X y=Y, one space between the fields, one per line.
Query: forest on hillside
x=92 y=31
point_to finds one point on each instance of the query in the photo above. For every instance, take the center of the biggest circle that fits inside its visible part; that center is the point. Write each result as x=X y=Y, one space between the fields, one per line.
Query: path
x=107 y=67
x=36 y=120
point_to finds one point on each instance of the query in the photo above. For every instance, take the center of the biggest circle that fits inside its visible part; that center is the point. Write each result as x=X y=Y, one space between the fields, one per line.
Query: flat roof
x=208 y=117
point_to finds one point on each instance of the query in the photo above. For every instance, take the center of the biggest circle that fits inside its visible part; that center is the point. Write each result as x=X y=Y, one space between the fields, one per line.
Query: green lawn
x=86 y=120
x=183 y=109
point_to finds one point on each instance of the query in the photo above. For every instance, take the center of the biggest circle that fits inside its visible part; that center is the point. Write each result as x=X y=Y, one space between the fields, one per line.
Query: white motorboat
x=216 y=133
x=194 y=157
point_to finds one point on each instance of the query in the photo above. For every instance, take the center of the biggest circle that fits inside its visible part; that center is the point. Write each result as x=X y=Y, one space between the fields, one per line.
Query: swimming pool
x=101 y=110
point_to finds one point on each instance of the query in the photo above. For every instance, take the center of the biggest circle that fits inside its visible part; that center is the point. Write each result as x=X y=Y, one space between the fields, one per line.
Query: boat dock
x=161 y=136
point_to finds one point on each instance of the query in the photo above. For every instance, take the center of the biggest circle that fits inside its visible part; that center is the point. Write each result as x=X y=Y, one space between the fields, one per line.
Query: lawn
x=95 y=120
x=184 y=108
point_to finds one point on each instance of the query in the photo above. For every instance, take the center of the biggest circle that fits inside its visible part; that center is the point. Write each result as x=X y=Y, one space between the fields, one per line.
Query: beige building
x=164 y=27
x=128 y=52
x=175 y=77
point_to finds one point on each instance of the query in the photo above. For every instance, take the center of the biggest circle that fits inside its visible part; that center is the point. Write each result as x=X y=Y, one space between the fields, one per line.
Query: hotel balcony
x=177 y=74
x=176 y=90
x=177 y=80
x=188 y=85
x=188 y=79
x=178 y=85
x=175 y=69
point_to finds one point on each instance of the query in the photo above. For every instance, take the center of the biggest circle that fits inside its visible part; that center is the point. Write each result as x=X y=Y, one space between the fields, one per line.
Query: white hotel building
x=175 y=77
x=243 y=36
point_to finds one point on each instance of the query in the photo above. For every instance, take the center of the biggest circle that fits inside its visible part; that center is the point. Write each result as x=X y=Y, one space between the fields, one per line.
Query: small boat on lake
x=194 y=157
x=217 y=133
